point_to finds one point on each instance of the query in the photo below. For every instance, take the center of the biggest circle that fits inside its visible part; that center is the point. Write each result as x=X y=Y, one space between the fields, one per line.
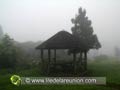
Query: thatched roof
x=61 y=40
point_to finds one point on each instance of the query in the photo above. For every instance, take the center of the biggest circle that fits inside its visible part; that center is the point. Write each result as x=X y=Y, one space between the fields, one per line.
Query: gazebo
x=61 y=40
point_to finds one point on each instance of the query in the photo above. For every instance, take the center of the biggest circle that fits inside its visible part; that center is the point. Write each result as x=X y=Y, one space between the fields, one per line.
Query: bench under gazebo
x=61 y=40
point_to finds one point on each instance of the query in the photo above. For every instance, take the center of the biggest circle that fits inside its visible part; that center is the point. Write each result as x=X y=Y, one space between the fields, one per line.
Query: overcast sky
x=34 y=20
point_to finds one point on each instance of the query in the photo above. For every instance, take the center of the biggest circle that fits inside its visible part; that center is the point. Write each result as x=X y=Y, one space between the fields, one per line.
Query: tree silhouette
x=117 y=51
x=84 y=31
x=1 y=33
x=7 y=53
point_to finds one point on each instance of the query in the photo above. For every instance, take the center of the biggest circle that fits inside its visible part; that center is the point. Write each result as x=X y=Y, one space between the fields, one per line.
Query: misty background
x=37 y=20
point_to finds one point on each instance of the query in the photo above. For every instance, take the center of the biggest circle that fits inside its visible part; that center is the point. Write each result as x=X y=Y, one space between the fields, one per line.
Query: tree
x=117 y=51
x=7 y=53
x=1 y=33
x=83 y=30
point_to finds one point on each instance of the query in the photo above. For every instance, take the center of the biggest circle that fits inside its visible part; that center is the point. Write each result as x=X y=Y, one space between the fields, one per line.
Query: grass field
x=110 y=68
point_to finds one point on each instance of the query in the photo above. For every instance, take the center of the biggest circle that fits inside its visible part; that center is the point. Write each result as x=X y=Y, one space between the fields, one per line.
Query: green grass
x=108 y=68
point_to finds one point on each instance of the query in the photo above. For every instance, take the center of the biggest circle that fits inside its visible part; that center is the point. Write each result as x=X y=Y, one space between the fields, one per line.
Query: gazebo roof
x=61 y=40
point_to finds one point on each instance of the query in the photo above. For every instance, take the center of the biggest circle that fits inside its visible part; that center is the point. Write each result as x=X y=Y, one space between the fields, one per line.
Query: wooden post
x=74 y=62
x=49 y=59
x=55 y=57
x=42 y=56
x=85 y=60
x=42 y=62
x=80 y=59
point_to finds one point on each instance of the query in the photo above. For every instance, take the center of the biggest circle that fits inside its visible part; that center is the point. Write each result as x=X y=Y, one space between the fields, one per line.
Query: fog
x=35 y=20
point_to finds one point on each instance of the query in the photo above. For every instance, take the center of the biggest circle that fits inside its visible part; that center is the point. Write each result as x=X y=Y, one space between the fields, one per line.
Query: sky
x=35 y=20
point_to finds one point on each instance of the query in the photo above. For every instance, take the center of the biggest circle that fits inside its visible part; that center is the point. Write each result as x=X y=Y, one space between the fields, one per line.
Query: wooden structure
x=61 y=40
